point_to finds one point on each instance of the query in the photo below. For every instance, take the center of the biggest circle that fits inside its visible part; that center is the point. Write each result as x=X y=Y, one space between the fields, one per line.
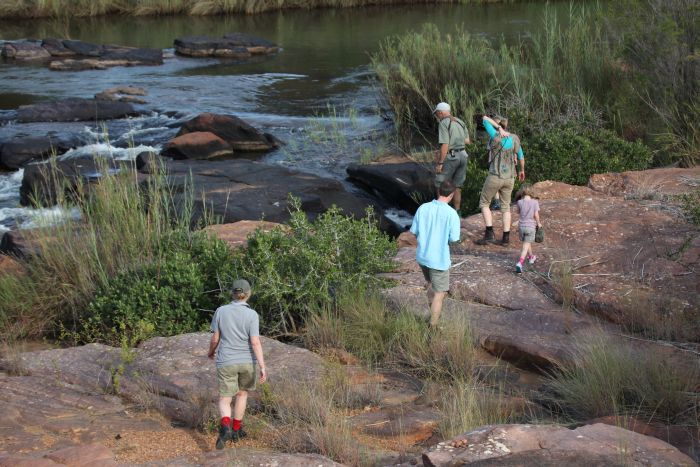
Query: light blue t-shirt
x=507 y=142
x=435 y=224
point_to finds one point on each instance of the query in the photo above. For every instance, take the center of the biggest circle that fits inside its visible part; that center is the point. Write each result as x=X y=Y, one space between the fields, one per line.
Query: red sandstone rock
x=236 y=233
x=197 y=145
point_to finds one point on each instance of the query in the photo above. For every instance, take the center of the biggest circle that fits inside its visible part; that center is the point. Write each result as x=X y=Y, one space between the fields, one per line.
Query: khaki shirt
x=452 y=133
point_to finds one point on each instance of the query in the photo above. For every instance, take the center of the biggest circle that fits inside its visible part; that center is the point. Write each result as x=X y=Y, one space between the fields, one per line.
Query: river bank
x=89 y=8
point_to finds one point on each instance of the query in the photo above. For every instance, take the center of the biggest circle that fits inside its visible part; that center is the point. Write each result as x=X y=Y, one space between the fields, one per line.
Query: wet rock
x=123 y=94
x=56 y=48
x=240 y=189
x=74 y=109
x=234 y=131
x=234 y=45
x=398 y=180
x=83 y=48
x=197 y=145
x=17 y=152
x=236 y=234
x=39 y=184
x=147 y=161
x=596 y=445
x=25 y=50
x=108 y=57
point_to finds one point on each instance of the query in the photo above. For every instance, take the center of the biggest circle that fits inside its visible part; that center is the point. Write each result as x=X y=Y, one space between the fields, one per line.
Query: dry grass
x=660 y=316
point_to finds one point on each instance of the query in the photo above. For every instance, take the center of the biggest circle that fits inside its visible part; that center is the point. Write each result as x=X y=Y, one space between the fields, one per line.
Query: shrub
x=296 y=270
x=175 y=294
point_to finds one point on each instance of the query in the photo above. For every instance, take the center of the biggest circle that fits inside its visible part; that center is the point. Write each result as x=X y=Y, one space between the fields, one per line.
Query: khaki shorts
x=454 y=168
x=440 y=280
x=527 y=234
x=234 y=378
x=493 y=185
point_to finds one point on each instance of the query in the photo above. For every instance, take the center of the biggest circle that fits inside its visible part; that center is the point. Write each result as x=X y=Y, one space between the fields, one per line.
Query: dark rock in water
x=56 y=48
x=74 y=109
x=234 y=45
x=16 y=153
x=111 y=56
x=240 y=135
x=241 y=189
x=197 y=145
x=400 y=181
x=83 y=48
x=25 y=50
x=39 y=182
x=146 y=161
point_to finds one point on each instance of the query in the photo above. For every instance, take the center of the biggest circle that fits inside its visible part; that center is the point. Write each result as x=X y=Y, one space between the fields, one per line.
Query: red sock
x=226 y=421
x=236 y=424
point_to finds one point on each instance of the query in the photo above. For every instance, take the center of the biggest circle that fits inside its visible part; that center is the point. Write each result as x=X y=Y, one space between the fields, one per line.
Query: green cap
x=241 y=286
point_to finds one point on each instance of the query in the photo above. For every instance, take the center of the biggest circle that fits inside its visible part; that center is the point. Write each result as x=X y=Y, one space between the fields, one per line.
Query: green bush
x=571 y=154
x=173 y=295
x=297 y=269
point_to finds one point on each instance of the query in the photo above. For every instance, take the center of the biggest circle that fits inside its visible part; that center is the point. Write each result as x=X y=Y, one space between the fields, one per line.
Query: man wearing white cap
x=451 y=160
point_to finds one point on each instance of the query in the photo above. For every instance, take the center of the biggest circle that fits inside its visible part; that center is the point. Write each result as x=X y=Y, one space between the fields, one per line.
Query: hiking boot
x=489 y=237
x=225 y=434
x=237 y=435
x=505 y=241
x=531 y=259
x=519 y=268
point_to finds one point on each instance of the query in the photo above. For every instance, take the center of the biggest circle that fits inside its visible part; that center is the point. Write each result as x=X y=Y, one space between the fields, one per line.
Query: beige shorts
x=234 y=378
x=439 y=280
x=454 y=168
x=493 y=185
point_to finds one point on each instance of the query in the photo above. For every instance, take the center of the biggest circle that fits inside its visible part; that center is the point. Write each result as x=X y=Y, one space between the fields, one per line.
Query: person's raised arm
x=521 y=159
x=258 y=351
x=492 y=127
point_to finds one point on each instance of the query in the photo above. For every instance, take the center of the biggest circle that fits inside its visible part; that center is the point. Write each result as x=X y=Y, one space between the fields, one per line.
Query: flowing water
x=317 y=95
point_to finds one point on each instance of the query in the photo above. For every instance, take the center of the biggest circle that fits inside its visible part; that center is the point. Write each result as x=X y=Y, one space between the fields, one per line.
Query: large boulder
x=397 y=179
x=197 y=145
x=236 y=233
x=17 y=152
x=235 y=45
x=75 y=109
x=123 y=94
x=516 y=445
x=234 y=131
x=25 y=50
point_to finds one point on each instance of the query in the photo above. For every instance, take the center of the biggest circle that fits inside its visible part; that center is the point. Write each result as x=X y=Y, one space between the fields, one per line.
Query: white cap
x=442 y=107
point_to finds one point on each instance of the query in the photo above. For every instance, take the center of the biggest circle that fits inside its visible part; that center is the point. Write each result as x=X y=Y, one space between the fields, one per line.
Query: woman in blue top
x=504 y=154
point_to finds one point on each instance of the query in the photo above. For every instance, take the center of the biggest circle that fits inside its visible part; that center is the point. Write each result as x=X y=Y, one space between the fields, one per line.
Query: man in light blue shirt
x=436 y=224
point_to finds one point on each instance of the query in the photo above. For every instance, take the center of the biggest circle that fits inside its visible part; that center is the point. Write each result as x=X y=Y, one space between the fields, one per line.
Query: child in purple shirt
x=529 y=209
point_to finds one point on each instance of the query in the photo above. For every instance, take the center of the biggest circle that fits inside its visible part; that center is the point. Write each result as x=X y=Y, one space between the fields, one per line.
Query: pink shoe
x=531 y=259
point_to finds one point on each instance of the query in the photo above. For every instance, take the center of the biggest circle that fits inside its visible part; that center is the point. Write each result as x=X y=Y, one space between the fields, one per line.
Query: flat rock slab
x=172 y=375
x=43 y=412
x=75 y=109
x=236 y=233
x=234 y=45
x=597 y=445
x=73 y=55
x=405 y=424
x=653 y=184
x=18 y=152
x=264 y=458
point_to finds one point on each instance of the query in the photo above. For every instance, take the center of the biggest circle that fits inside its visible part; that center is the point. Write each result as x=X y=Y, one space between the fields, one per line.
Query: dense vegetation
x=71 y=8
x=587 y=94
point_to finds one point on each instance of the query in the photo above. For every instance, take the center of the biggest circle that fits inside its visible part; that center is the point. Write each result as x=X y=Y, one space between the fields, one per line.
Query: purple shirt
x=528 y=208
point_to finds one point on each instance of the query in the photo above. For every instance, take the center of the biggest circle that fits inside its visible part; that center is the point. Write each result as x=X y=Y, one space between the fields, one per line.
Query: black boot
x=225 y=434
x=489 y=237
x=239 y=434
x=506 y=239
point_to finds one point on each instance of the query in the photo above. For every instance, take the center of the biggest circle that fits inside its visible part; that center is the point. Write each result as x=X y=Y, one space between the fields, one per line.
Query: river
x=317 y=95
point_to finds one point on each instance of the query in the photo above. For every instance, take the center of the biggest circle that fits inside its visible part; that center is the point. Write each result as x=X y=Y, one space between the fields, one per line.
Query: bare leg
x=488 y=218
x=457 y=199
x=239 y=407
x=506 y=220
x=526 y=248
x=436 y=307
x=529 y=249
x=225 y=406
